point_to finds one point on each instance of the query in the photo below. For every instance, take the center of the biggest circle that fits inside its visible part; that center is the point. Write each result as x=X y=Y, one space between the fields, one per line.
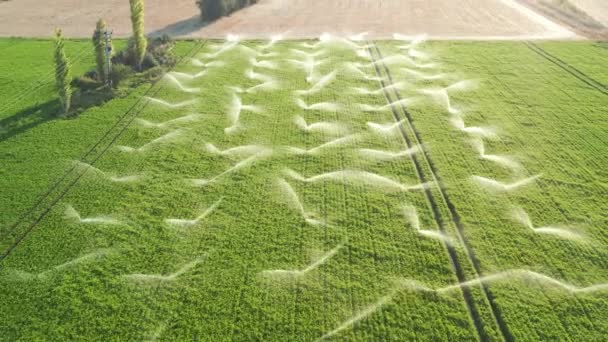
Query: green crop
x=198 y=223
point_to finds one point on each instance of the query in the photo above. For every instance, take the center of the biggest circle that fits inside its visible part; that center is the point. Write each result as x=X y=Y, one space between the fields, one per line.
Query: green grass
x=552 y=122
x=27 y=78
x=577 y=55
x=35 y=147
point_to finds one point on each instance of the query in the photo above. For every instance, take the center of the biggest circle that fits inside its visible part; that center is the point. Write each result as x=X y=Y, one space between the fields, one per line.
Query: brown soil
x=440 y=19
x=573 y=14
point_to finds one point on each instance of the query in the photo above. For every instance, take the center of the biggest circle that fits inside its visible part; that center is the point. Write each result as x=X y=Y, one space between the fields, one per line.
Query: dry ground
x=597 y=10
x=585 y=17
x=440 y=19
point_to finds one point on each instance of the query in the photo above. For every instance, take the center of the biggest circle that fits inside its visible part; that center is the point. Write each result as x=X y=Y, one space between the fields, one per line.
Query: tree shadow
x=182 y=28
x=28 y=118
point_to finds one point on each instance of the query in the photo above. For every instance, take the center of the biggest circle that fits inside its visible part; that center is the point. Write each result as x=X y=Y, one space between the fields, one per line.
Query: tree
x=101 y=53
x=62 y=73
x=137 y=21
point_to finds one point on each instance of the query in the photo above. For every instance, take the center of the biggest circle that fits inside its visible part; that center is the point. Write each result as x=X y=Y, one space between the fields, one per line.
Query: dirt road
x=440 y=19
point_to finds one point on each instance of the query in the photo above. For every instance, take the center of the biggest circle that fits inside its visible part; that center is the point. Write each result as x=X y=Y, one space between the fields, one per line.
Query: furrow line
x=470 y=253
x=455 y=217
x=568 y=68
x=451 y=251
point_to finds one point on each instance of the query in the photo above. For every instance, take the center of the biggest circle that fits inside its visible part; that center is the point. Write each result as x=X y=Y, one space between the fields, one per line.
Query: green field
x=199 y=221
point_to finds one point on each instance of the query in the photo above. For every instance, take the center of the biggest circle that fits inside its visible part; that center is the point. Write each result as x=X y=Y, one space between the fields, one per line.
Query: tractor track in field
x=458 y=269
x=126 y=119
x=568 y=68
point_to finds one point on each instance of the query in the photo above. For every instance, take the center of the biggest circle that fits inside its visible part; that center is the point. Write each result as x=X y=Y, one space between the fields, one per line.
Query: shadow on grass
x=36 y=115
x=28 y=118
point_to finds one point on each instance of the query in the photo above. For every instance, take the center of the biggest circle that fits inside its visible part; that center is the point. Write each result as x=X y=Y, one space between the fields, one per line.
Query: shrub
x=161 y=49
x=87 y=83
x=139 y=38
x=62 y=73
x=119 y=73
x=213 y=9
x=159 y=52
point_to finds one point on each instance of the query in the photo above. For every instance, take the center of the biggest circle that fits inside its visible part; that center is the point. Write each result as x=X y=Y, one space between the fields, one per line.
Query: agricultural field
x=317 y=190
x=30 y=140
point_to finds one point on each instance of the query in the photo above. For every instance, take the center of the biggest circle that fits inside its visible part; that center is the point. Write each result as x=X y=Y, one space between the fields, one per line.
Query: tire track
x=568 y=68
x=127 y=118
x=456 y=265
x=556 y=204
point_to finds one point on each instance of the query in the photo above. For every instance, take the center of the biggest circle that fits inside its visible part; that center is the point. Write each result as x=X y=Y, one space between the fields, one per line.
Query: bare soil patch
x=585 y=17
x=440 y=19
x=31 y=18
x=596 y=9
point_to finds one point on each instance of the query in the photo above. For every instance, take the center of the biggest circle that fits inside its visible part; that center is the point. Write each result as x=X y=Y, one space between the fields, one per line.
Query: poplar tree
x=101 y=53
x=62 y=73
x=137 y=21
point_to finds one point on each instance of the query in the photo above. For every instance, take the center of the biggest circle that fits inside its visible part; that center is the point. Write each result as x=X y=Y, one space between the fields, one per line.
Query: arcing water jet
x=263 y=64
x=492 y=184
x=394 y=86
x=167 y=137
x=169 y=104
x=358 y=177
x=240 y=165
x=271 y=85
x=355 y=69
x=381 y=108
x=395 y=60
x=308 y=55
x=361 y=315
x=190 y=223
x=411 y=215
x=93 y=256
x=166 y=124
x=386 y=129
x=72 y=215
x=379 y=155
x=331 y=144
x=422 y=76
x=308 y=66
x=273 y=40
x=502 y=160
x=258 y=77
x=413 y=41
x=509 y=275
x=292 y=199
x=238 y=151
x=520 y=215
x=484 y=132
x=322 y=83
x=108 y=176
x=328 y=128
x=147 y=279
x=300 y=273
x=187 y=76
x=212 y=64
x=322 y=106
x=234 y=112
x=174 y=81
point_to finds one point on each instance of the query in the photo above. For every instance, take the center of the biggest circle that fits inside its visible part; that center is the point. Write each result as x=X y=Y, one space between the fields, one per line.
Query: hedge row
x=213 y=9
